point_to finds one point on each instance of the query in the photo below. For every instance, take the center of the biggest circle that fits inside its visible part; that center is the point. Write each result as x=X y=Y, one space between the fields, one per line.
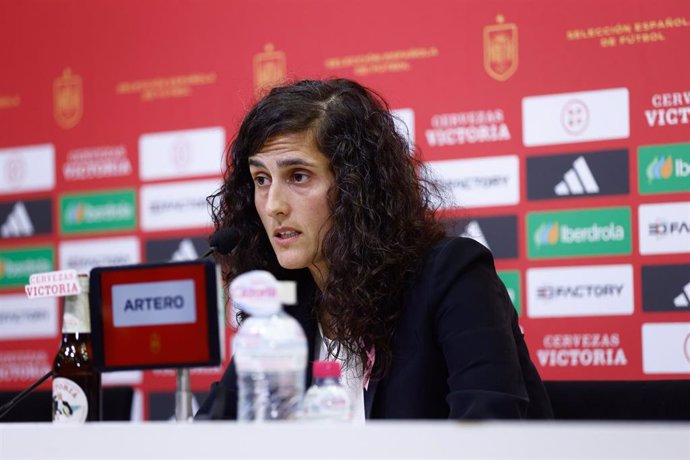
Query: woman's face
x=292 y=179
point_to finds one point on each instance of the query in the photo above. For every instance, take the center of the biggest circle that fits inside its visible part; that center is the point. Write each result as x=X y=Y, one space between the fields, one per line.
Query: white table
x=382 y=440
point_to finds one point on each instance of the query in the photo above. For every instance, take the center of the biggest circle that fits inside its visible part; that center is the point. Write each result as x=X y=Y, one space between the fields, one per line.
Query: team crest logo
x=155 y=344
x=67 y=99
x=500 y=49
x=270 y=70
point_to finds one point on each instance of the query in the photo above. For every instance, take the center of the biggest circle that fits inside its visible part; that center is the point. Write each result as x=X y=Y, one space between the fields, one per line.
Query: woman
x=324 y=190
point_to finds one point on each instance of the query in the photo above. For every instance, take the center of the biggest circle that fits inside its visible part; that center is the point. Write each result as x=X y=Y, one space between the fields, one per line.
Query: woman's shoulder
x=457 y=252
x=451 y=259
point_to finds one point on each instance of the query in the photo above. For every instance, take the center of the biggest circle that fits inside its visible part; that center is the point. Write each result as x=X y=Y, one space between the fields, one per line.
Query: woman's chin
x=291 y=264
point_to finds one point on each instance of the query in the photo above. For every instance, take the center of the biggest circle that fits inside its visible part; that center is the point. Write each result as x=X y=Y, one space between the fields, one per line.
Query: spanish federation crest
x=270 y=69
x=67 y=99
x=155 y=344
x=500 y=49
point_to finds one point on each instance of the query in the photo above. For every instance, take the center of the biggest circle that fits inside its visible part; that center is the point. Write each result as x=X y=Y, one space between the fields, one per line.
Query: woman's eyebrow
x=288 y=162
x=257 y=163
x=283 y=163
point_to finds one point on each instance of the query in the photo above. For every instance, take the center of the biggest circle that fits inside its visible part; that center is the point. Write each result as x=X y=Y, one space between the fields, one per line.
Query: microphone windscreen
x=224 y=240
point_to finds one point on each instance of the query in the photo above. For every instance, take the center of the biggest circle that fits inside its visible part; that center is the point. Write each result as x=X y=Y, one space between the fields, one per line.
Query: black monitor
x=152 y=316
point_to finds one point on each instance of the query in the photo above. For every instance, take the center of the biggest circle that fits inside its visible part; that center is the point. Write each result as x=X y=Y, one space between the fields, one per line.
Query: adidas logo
x=683 y=299
x=578 y=180
x=17 y=223
x=185 y=251
x=474 y=231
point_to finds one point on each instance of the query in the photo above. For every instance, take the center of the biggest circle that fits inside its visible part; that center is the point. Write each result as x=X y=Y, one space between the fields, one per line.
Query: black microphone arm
x=8 y=406
x=222 y=241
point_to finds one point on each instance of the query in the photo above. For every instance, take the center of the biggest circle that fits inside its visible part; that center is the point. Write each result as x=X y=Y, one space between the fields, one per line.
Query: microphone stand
x=183 y=397
x=183 y=394
x=17 y=399
x=221 y=242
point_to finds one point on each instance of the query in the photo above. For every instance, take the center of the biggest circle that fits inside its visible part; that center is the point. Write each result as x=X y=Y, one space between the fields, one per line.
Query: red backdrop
x=141 y=97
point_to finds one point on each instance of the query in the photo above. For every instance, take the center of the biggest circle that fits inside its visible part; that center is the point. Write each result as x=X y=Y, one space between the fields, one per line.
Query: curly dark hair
x=383 y=216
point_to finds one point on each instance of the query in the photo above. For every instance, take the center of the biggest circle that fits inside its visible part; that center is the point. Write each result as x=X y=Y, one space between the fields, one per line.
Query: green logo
x=663 y=168
x=511 y=280
x=98 y=212
x=17 y=265
x=586 y=232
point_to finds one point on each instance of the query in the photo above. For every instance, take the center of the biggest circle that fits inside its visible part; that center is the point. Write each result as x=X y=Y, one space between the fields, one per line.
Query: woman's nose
x=276 y=201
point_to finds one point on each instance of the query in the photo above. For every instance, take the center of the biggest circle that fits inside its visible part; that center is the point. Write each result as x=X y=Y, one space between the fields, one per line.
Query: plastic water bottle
x=327 y=399
x=270 y=352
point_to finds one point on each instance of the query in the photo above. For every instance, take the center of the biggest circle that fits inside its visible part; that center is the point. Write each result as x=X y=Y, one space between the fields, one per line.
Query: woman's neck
x=319 y=273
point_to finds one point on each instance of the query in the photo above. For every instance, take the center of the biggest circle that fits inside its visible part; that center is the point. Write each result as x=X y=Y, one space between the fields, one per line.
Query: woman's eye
x=260 y=180
x=299 y=177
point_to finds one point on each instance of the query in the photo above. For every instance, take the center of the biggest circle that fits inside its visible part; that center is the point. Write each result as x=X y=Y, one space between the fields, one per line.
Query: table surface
x=385 y=440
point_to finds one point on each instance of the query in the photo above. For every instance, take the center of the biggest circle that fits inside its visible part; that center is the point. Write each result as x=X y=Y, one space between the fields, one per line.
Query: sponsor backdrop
x=561 y=132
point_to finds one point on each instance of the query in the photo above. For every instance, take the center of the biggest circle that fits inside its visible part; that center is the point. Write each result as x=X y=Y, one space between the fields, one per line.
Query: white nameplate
x=153 y=304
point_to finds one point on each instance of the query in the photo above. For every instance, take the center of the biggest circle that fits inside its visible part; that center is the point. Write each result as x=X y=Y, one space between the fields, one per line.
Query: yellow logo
x=270 y=69
x=67 y=99
x=155 y=344
x=500 y=49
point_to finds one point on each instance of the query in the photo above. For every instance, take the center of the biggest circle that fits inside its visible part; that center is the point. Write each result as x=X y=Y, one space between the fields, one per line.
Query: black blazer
x=458 y=351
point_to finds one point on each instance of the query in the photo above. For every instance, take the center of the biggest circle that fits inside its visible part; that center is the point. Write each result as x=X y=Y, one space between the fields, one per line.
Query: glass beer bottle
x=76 y=381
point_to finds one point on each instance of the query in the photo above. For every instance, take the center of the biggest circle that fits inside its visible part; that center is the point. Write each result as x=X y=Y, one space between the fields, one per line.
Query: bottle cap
x=324 y=369
x=256 y=293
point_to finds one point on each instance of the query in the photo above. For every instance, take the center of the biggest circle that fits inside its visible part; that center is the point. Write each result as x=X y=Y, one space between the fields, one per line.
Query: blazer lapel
x=369 y=395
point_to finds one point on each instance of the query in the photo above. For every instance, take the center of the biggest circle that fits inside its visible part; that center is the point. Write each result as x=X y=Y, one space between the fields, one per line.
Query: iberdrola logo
x=546 y=234
x=660 y=168
x=2 y=269
x=74 y=214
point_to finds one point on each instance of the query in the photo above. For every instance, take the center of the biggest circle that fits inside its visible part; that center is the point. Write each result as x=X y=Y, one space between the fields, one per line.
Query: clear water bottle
x=327 y=399
x=270 y=352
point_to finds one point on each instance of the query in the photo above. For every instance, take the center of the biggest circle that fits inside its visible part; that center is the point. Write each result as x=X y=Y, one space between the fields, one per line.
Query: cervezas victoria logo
x=500 y=49
x=67 y=99
x=669 y=109
x=582 y=349
x=270 y=69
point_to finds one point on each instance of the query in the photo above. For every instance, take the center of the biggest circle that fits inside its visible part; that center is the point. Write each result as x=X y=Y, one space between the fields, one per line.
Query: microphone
x=222 y=241
x=18 y=398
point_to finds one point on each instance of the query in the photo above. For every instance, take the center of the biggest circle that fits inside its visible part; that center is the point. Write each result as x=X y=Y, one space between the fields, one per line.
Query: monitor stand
x=183 y=397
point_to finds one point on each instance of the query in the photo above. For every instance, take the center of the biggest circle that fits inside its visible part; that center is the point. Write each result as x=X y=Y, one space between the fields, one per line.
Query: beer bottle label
x=69 y=402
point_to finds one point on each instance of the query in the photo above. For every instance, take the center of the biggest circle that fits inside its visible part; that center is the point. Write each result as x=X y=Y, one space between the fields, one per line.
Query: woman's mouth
x=287 y=235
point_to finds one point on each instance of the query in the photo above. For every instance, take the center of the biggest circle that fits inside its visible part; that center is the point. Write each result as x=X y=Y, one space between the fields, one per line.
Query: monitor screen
x=152 y=316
